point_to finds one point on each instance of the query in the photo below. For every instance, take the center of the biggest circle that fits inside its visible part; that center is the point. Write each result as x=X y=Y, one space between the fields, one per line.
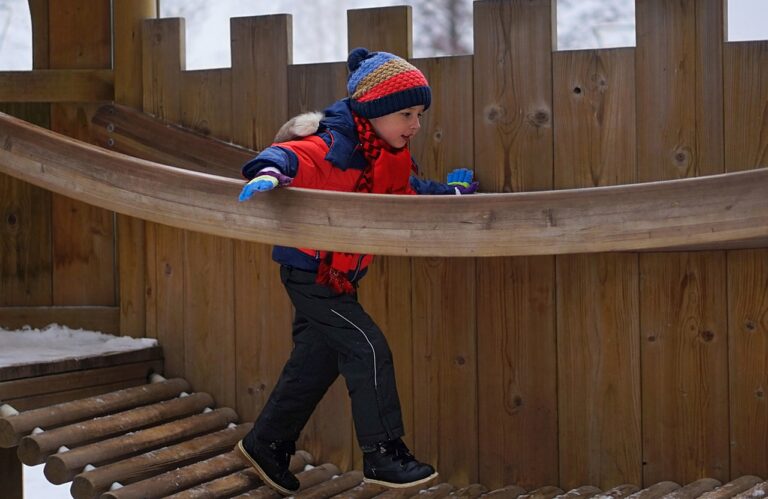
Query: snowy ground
x=54 y=342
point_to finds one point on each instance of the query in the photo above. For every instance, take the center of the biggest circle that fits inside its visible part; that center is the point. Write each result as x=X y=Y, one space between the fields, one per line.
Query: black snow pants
x=332 y=335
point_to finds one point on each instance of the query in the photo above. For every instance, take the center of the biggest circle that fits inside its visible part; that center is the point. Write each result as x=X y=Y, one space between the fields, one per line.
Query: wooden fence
x=569 y=370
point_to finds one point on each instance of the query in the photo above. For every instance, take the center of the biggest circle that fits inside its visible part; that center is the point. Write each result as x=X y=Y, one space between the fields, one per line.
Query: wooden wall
x=570 y=370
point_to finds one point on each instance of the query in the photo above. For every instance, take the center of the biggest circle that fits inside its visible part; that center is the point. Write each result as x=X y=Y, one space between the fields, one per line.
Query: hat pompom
x=356 y=57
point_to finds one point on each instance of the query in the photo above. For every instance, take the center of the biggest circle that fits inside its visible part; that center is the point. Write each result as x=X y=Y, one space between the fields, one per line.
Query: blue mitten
x=461 y=180
x=263 y=182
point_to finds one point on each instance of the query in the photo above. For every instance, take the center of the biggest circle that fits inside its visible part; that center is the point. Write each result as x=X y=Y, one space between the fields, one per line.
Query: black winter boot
x=270 y=460
x=393 y=465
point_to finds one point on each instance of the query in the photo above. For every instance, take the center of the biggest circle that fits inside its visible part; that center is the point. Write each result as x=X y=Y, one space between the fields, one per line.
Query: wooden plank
x=597 y=298
x=312 y=87
x=83 y=235
x=515 y=297
x=57 y=85
x=444 y=366
x=387 y=289
x=382 y=28
x=57 y=366
x=748 y=347
x=746 y=97
x=679 y=88
x=131 y=254
x=94 y=318
x=594 y=97
x=209 y=330
x=11 y=474
x=598 y=370
x=38 y=10
x=54 y=383
x=746 y=147
x=679 y=112
x=164 y=58
x=25 y=230
x=684 y=366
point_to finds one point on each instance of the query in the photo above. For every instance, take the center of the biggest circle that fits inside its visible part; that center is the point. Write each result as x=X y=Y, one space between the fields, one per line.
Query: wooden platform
x=158 y=440
x=719 y=211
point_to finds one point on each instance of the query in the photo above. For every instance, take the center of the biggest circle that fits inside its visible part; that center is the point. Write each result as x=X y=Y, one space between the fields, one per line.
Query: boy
x=359 y=144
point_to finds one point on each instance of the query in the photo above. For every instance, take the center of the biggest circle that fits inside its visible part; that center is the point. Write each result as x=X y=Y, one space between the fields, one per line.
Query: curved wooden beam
x=720 y=211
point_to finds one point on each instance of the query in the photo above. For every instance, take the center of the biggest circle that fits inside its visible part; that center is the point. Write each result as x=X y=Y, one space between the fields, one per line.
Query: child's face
x=399 y=127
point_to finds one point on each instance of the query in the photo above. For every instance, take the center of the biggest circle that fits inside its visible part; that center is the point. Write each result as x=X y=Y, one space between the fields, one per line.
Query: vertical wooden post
x=682 y=296
x=444 y=309
x=746 y=147
x=163 y=60
x=515 y=296
x=387 y=289
x=127 y=19
x=597 y=295
x=83 y=236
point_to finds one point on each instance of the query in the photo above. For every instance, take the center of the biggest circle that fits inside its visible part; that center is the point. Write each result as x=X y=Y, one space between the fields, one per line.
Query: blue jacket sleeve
x=278 y=157
x=423 y=186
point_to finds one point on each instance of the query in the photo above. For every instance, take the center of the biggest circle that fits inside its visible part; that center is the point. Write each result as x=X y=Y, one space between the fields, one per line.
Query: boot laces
x=399 y=451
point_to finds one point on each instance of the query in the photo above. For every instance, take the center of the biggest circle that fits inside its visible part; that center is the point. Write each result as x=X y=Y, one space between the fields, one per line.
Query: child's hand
x=461 y=180
x=261 y=183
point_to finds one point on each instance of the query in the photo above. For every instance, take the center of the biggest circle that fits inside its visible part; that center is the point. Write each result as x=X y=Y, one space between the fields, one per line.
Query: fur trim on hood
x=299 y=127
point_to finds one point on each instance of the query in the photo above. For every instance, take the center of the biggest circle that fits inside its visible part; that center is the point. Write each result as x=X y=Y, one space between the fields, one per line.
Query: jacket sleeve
x=275 y=156
x=424 y=186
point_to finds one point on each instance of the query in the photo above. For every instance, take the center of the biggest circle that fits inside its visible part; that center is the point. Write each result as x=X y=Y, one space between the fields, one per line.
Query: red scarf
x=334 y=267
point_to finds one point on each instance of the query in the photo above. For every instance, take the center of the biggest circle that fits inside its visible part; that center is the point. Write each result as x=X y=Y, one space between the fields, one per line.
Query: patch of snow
x=55 y=342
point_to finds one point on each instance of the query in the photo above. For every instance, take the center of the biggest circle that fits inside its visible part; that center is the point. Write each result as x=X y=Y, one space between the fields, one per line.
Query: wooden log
x=138 y=134
x=14 y=427
x=436 y=491
x=63 y=467
x=618 y=492
x=546 y=492
x=580 y=492
x=655 y=491
x=90 y=484
x=332 y=487
x=732 y=488
x=307 y=479
x=694 y=489
x=471 y=491
x=245 y=480
x=642 y=216
x=365 y=490
x=34 y=449
x=508 y=492
x=757 y=491
x=181 y=478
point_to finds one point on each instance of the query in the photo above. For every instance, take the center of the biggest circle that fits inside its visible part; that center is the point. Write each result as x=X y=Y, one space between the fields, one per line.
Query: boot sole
x=393 y=485
x=262 y=474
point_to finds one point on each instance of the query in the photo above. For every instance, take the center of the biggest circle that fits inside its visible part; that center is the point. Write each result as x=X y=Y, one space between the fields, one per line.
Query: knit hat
x=381 y=83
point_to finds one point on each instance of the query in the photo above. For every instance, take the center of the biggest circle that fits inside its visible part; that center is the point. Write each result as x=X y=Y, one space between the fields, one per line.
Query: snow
x=55 y=342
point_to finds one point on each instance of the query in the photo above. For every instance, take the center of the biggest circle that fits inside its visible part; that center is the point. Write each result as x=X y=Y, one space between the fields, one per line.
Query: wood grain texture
x=746 y=147
x=683 y=329
x=382 y=28
x=597 y=299
x=163 y=60
x=513 y=152
x=443 y=305
x=94 y=318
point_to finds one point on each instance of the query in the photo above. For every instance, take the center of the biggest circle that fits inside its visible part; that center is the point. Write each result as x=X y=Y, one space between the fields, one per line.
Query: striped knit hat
x=381 y=83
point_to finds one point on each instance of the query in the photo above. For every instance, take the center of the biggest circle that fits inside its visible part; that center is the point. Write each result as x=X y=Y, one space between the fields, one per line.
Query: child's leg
x=364 y=359
x=307 y=375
